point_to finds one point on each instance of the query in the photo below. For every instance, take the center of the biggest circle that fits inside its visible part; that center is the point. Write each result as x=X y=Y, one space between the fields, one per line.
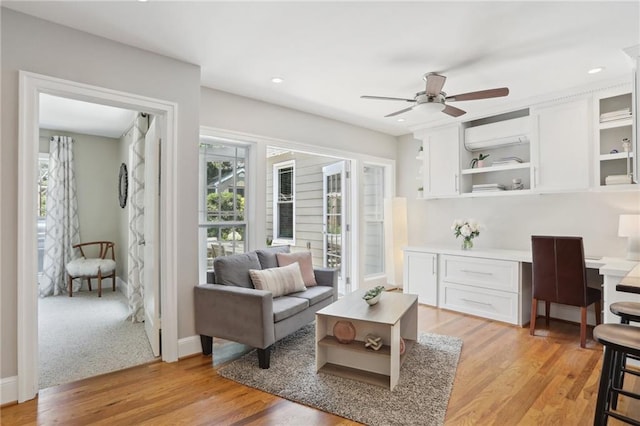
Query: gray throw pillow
x=234 y=269
x=267 y=257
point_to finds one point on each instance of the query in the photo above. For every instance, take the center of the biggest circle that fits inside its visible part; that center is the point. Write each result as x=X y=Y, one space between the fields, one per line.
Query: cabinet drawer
x=477 y=272
x=497 y=305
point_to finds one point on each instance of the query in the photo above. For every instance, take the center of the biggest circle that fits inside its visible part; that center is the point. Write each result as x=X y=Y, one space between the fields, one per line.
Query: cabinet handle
x=476 y=272
x=475 y=301
x=433 y=265
x=456 y=190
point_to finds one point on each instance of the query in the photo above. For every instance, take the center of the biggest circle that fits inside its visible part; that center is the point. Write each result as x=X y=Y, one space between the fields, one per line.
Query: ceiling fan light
x=429 y=107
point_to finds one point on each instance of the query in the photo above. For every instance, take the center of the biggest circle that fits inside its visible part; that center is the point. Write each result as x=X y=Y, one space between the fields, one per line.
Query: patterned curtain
x=136 y=220
x=63 y=229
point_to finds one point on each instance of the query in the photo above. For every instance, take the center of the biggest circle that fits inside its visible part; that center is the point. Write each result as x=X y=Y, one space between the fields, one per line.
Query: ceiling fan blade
x=480 y=94
x=385 y=98
x=399 y=112
x=453 y=111
x=435 y=82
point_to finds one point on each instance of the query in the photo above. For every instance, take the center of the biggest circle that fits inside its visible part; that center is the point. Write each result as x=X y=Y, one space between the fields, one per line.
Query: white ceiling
x=82 y=117
x=330 y=53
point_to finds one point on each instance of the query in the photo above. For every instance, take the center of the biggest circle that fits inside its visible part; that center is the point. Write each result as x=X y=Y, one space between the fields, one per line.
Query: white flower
x=465 y=231
x=475 y=226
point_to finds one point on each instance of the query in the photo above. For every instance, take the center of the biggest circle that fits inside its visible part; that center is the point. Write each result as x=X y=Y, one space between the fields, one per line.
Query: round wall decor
x=123 y=185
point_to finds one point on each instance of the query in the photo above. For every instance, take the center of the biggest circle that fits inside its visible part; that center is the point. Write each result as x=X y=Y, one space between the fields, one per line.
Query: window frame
x=203 y=223
x=366 y=220
x=277 y=240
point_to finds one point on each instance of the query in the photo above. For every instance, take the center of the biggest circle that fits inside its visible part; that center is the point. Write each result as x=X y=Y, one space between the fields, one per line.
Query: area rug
x=420 y=398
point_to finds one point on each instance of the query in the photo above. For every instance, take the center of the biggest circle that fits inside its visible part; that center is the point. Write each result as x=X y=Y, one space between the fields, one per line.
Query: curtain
x=62 y=224
x=135 y=274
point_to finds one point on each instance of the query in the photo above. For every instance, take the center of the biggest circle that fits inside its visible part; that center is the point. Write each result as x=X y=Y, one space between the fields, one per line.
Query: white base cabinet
x=421 y=276
x=488 y=288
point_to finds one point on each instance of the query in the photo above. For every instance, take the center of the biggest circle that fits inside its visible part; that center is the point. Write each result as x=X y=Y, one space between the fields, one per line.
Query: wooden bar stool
x=627 y=311
x=618 y=340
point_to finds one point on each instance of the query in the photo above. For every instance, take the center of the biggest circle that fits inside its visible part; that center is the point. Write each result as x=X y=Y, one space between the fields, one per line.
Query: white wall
x=509 y=221
x=42 y=47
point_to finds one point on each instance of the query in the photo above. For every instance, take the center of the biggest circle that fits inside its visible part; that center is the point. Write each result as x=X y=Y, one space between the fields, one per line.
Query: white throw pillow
x=279 y=281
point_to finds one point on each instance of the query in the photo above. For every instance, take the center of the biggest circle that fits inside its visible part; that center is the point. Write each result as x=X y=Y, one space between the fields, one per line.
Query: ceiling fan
x=433 y=98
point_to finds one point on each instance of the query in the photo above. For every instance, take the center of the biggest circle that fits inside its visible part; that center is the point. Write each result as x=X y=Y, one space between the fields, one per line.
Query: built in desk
x=496 y=283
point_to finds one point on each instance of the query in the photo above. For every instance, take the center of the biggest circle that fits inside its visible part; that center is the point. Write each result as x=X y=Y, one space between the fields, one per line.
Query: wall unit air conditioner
x=494 y=135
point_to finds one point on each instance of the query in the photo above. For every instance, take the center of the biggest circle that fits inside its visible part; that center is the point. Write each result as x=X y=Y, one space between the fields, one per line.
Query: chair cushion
x=314 y=294
x=89 y=267
x=279 y=281
x=234 y=269
x=285 y=306
x=267 y=256
x=306 y=265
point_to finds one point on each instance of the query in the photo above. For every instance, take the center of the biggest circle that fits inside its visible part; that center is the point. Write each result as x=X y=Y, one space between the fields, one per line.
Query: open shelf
x=496 y=168
x=616 y=156
x=616 y=123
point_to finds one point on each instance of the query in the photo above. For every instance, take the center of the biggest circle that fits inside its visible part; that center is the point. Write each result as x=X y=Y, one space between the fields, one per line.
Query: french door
x=334 y=222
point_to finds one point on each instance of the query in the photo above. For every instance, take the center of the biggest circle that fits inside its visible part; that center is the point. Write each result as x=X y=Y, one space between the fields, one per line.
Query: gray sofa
x=229 y=307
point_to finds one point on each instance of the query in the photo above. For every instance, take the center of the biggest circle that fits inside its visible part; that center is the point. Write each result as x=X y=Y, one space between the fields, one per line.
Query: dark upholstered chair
x=559 y=276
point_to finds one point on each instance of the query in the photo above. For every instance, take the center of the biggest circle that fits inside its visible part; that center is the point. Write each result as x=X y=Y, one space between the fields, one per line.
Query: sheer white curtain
x=63 y=229
x=136 y=220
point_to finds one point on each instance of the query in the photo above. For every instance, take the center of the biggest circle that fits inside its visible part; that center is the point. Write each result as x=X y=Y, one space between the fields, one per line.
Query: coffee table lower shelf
x=357 y=346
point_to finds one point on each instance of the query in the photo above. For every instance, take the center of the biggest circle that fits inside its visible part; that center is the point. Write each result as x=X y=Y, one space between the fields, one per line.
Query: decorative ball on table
x=372 y=296
x=468 y=229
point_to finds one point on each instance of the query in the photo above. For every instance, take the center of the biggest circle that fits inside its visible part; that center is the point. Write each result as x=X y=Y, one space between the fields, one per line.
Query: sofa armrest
x=243 y=315
x=327 y=277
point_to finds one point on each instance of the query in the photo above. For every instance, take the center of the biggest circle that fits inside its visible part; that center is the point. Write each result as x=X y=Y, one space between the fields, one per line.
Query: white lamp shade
x=629 y=225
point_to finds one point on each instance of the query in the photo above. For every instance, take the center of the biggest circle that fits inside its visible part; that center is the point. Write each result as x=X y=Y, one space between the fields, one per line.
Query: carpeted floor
x=420 y=398
x=84 y=336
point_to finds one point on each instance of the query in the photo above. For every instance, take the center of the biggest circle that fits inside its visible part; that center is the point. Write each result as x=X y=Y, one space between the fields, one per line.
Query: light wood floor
x=505 y=377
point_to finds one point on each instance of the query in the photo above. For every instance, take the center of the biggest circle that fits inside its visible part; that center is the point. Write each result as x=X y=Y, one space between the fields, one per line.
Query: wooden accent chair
x=99 y=267
x=560 y=276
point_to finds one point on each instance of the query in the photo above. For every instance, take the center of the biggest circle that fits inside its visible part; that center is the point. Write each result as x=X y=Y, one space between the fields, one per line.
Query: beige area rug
x=420 y=398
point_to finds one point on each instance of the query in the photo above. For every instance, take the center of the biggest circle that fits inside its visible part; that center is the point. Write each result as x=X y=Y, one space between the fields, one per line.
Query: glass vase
x=467 y=244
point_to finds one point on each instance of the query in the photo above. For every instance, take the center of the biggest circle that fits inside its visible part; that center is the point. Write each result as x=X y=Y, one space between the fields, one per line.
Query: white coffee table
x=394 y=316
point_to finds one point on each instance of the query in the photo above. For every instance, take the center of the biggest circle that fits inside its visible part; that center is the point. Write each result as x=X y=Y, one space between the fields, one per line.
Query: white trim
x=9 y=390
x=122 y=286
x=276 y=189
x=188 y=346
x=31 y=85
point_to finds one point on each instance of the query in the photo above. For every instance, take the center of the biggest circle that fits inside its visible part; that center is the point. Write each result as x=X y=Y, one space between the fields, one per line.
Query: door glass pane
x=373 y=189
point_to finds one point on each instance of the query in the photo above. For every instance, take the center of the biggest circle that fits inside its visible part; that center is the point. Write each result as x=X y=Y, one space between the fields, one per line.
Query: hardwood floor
x=505 y=377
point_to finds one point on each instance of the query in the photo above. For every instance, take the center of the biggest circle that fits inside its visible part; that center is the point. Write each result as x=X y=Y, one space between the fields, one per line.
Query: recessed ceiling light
x=400 y=119
x=595 y=70
x=277 y=80
x=142 y=1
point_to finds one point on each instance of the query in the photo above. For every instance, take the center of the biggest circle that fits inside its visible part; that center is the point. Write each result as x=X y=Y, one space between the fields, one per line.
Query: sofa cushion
x=234 y=269
x=279 y=281
x=285 y=306
x=314 y=294
x=267 y=256
x=306 y=265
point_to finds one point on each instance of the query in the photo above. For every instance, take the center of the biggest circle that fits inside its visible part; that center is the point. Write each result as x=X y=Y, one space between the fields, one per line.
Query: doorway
x=31 y=86
x=309 y=209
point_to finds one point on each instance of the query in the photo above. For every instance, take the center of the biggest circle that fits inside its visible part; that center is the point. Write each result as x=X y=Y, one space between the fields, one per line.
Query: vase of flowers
x=468 y=229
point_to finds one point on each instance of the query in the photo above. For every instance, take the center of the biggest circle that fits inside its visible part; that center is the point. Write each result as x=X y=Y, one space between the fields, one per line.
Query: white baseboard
x=8 y=390
x=189 y=346
x=122 y=285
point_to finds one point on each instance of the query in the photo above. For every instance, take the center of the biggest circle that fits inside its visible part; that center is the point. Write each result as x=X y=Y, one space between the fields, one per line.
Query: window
x=222 y=220
x=373 y=192
x=284 y=210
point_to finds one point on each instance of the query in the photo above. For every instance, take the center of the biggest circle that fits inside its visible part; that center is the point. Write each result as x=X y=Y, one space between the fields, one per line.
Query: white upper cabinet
x=441 y=161
x=561 y=148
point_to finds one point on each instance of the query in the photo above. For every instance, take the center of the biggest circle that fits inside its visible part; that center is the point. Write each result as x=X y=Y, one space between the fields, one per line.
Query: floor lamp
x=395 y=237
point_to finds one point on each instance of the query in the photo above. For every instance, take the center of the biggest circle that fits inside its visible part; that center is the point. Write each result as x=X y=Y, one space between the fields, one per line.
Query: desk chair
x=99 y=267
x=559 y=276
